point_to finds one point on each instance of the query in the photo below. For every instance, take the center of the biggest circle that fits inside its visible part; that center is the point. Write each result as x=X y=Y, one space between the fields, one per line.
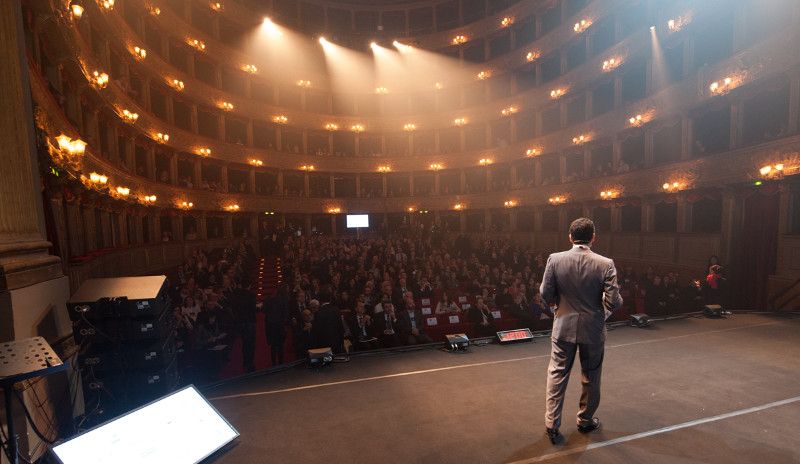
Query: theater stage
x=684 y=391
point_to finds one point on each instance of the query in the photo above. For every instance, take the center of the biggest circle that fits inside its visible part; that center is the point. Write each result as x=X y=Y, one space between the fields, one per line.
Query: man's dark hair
x=581 y=230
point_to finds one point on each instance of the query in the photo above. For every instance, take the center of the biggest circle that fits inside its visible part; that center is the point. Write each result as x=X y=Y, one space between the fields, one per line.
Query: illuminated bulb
x=250 y=68
x=331 y=126
x=671 y=24
x=357 y=128
x=280 y=119
x=99 y=79
x=411 y=209
x=107 y=4
x=307 y=167
x=610 y=64
x=384 y=169
x=483 y=75
x=186 y=204
x=149 y=198
x=779 y=167
x=77 y=147
x=124 y=191
x=63 y=142
x=154 y=10
x=675 y=185
x=232 y=207
x=435 y=166
x=531 y=56
x=557 y=93
x=484 y=161
x=509 y=111
x=256 y=162
x=304 y=83
x=129 y=116
x=271 y=28
x=459 y=39
x=460 y=121
x=204 y=151
x=76 y=10
x=226 y=106
x=409 y=127
x=510 y=203
x=162 y=138
x=216 y=6
x=507 y=21
x=140 y=52
x=581 y=25
x=579 y=139
x=196 y=43
x=727 y=81
x=635 y=120
x=458 y=206
x=381 y=90
x=178 y=84
x=335 y=210
x=531 y=152
x=765 y=170
x=438 y=86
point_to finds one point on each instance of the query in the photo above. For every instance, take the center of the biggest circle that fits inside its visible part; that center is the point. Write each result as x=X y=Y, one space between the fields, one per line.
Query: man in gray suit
x=582 y=288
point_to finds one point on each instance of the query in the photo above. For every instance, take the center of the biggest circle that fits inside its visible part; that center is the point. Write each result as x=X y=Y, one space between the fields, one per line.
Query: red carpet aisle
x=268 y=277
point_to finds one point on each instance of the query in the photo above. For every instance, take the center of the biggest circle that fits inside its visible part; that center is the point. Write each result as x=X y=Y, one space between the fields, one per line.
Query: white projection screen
x=179 y=428
x=357 y=221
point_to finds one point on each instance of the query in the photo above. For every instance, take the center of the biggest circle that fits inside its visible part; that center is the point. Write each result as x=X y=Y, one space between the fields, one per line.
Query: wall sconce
x=99 y=79
x=304 y=83
x=204 y=151
x=675 y=25
x=140 y=53
x=438 y=86
x=483 y=75
x=557 y=200
x=510 y=203
x=411 y=209
x=150 y=199
x=557 y=93
x=636 y=120
x=269 y=213
x=721 y=87
x=436 y=166
x=250 y=68
x=458 y=206
x=507 y=21
x=459 y=39
x=73 y=147
x=460 y=121
x=124 y=191
x=106 y=4
x=256 y=162
x=98 y=178
x=672 y=187
x=582 y=25
x=381 y=90
x=509 y=110
x=531 y=152
x=177 y=84
x=334 y=210
x=484 y=161
x=772 y=171
x=233 y=207
x=280 y=119
x=186 y=205
x=226 y=106
x=609 y=194
x=197 y=44
x=162 y=138
x=216 y=6
x=76 y=9
x=154 y=10
x=611 y=64
x=307 y=167
x=331 y=126
x=579 y=139
x=409 y=127
x=129 y=116
x=357 y=128
x=384 y=168
x=532 y=56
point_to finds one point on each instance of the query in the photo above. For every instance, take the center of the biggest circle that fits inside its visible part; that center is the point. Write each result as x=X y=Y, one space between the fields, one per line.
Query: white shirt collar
x=580 y=246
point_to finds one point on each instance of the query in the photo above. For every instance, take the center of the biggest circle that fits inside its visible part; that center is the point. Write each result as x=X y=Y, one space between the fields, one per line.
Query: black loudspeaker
x=457 y=342
x=640 y=320
x=320 y=356
x=713 y=311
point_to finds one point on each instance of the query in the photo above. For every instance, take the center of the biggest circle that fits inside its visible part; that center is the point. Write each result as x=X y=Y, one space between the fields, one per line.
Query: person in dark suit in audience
x=361 y=326
x=582 y=287
x=327 y=331
x=482 y=317
x=411 y=322
x=385 y=324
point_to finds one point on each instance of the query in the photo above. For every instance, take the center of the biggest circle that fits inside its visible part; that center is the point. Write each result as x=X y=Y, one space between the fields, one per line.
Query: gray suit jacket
x=584 y=286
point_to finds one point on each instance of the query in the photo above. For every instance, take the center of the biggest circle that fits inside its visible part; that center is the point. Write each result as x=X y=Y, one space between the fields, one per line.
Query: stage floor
x=684 y=391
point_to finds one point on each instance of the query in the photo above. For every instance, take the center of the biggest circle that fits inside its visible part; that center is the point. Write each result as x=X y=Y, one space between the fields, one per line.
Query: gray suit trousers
x=561 y=358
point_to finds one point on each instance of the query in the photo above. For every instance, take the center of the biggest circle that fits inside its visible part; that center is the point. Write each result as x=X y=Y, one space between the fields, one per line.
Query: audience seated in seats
x=327 y=329
x=410 y=322
x=362 y=324
x=385 y=323
x=446 y=306
x=482 y=317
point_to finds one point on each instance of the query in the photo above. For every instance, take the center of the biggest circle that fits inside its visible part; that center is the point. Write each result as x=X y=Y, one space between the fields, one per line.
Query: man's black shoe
x=555 y=436
x=594 y=425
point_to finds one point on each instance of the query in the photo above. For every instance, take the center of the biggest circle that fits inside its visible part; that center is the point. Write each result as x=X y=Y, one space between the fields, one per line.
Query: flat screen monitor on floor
x=357 y=221
x=181 y=427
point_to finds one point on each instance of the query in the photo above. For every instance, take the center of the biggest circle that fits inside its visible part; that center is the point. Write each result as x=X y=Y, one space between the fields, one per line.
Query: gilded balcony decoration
x=129 y=116
x=177 y=84
x=334 y=210
x=250 y=68
x=580 y=139
x=197 y=44
x=99 y=79
x=307 y=167
x=226 y=106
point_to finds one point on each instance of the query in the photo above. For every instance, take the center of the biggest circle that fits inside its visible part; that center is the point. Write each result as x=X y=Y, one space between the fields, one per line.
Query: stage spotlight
x=373 y=45
x=401 y=47
x=270 y=28
x=323 y=41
